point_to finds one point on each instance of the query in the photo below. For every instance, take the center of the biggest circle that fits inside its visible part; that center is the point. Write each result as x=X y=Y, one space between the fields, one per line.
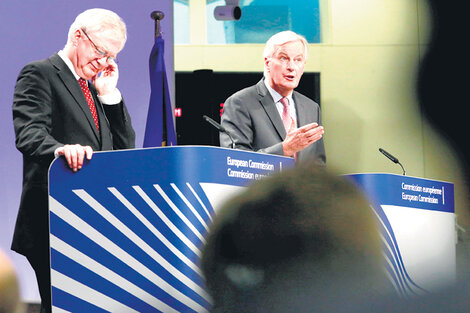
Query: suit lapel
x=301 y=111
x=74 y=88
x=99 y=107
x=268 y=104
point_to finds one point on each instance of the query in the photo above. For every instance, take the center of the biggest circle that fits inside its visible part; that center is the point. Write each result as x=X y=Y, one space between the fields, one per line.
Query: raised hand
x=298 y=139
x=106 y=81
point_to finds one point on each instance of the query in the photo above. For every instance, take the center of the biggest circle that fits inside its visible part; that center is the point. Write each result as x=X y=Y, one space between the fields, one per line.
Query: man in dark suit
x=271 y=117
x=58 y=112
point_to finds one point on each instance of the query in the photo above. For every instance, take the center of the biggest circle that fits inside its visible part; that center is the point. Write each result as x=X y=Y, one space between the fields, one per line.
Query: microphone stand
x=404 y=173
x=230 y=136
x=220 y=128
x=393 y=159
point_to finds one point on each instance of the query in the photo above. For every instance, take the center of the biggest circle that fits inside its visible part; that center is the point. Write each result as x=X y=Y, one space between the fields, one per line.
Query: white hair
x=100 y=21
x=280 y=39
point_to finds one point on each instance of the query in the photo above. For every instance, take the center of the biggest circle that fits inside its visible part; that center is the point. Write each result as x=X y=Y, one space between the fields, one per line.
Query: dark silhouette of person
x=304 y=240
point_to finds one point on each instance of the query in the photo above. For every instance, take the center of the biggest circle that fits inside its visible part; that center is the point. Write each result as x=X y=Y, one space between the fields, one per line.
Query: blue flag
x=159 y=130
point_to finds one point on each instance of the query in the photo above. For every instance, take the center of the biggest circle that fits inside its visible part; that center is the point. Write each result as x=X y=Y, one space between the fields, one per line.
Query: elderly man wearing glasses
x=67 y=105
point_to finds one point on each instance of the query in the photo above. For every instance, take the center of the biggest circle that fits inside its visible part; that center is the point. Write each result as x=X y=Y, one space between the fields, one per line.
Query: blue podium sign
x=417 y=224
x=399 y=190
x=126 y=231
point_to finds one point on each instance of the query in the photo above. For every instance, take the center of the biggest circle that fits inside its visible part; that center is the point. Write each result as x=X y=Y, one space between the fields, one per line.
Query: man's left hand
x=298 y=139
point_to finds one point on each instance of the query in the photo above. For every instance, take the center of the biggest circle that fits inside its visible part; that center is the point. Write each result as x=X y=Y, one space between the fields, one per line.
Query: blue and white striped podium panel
x=126 y=231
x=417 y=223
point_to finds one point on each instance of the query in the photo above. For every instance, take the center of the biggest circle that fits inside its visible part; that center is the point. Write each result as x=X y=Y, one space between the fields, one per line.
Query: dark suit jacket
x=251 y=117
x=50 y=110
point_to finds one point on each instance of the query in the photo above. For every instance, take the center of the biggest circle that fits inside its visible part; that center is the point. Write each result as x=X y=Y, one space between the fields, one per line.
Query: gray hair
x=100 y=21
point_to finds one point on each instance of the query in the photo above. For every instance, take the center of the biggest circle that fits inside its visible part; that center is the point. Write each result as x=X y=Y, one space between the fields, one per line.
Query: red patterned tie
x=90 y=101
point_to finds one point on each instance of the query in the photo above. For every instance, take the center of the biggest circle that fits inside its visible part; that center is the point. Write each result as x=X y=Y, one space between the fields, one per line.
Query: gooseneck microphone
x=219 y=127
x=392 y=158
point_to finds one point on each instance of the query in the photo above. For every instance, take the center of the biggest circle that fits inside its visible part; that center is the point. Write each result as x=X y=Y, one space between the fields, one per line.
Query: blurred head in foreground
x=9 y=291
x=304 y=240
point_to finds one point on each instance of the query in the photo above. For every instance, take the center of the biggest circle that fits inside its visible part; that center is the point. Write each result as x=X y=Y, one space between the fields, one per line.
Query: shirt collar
x=67 y=61
x=275 y=95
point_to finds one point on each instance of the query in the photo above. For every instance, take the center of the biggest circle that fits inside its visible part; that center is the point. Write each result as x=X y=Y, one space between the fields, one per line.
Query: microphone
x=219 y=127
x=392 y=158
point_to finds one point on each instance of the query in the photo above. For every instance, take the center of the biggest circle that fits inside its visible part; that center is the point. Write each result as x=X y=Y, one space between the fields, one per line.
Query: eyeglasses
x=100 y=53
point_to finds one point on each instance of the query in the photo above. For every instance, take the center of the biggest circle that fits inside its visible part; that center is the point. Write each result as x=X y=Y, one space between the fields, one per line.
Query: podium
x=126 y=231
x=417 y=225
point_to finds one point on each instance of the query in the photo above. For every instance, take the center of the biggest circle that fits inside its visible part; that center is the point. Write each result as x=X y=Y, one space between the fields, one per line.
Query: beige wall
x=368 y=62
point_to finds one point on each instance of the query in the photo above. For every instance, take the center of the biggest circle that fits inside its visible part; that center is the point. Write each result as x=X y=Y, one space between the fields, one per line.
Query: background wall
x=368 y=62
x=33 y=30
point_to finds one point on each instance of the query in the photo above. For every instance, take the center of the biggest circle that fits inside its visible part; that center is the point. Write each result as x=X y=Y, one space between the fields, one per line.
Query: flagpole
x=157 y=118
x=157 y=16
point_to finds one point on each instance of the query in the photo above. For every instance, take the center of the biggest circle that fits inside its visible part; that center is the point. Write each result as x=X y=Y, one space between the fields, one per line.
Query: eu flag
x=159 y=130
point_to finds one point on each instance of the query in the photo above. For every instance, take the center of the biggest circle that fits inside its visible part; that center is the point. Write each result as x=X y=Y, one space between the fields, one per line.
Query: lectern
x=126 y=231
x=417 y=225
